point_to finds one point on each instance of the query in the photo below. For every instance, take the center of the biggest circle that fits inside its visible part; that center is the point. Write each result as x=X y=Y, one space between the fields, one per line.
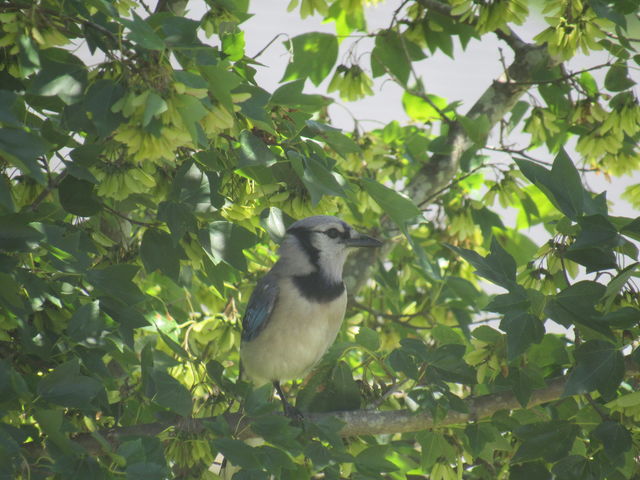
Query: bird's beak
x=363 y=241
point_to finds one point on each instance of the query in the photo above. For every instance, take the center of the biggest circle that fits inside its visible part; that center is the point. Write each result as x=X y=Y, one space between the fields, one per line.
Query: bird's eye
x=332 y=233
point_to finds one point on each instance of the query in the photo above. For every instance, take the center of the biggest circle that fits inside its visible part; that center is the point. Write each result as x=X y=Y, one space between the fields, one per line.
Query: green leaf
x=434 y=447
x=314 y=55
x=617 y=78
x=575 y=467
x=549 y=441
x=315 y=175
x=290 y=95
x=62 y=75
x=529 y=471
x=372 y=461
x=170 y=393
x=192 y=111
x=617 y=283
x=12 y=114
x=221 y=81
x=599 y=366
x=191 y=187
x=254 y=152
x=517 y=112
x=587 y=82
x=576 y=305
x=368 y=338
x=158 y=252
x=342 y=144
x=100 y=97
x=10 y=295
x=498 y=267
x=78 y=197
x=421 y=110
x=237 y=452
x=16 y=234
x=144 y=458
x=22 y=149
x=154 y=106
x=400 y=208
x=479 y=435
x=117 y=281
x=65 y=386
x=225 y=241
x=561 y=184
x=87 y=325
x=177 y=31
x=393 y=53
x=401 y=361
x=233 y=45
x=178 y=217
x=615 y=438
x=522 y=329
x=477 y=128
x=594 y=245
x=142 y=34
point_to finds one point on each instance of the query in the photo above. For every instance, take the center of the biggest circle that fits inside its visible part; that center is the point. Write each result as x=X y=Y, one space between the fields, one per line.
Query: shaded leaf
x=599 y=366
x=78 y=197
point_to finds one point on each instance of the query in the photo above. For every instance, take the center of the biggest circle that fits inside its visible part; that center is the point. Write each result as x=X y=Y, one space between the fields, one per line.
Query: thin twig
x=135 y=222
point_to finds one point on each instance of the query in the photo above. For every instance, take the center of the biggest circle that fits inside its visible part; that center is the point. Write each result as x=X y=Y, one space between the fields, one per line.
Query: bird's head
x=321 y=243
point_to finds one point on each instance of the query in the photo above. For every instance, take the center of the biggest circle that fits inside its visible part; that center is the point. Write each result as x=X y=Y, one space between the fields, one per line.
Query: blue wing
x=260 y=307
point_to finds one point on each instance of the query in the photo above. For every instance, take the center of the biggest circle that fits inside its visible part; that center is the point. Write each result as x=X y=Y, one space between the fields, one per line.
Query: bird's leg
x=289 y=410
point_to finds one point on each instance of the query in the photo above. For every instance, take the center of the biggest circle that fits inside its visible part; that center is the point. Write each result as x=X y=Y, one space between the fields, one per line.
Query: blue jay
x=296 y=309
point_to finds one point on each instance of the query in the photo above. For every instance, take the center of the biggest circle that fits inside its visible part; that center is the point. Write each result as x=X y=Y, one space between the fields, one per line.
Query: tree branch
x=357 y=422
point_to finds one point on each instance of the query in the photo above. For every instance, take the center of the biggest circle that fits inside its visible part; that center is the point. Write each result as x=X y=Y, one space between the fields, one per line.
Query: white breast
x=298 y=334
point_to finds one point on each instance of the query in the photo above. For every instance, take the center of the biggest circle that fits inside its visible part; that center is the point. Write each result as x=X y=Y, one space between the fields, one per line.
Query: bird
x=296 y=309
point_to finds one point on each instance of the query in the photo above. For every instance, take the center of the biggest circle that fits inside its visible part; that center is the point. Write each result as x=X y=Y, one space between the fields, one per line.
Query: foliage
x=142 y=193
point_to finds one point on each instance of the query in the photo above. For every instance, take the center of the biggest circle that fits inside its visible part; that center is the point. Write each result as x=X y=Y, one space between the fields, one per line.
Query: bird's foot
x=289 y=410
x=293 y=413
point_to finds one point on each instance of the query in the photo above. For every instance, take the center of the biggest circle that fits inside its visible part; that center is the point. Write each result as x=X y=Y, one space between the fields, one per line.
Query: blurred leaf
x=420 y=109
x=393 y=53
x=22 y=149
x=225 y=241
x=117 y=282
x=144 y=457
x=368 y=338
x=290 y=95
x=617 y=78
x=400 y=208
x=63 y=75
x=142 y=33
x=318 y=179
x=178 y=217
x=497 y=267
x=16 y=234
x=65 y=386
x=253 y=151
x=100 y=97
x=434 y=447
x=158 y=252
x=615 y=438
x=170 y=393
x=78 y=197
x=550 y=441
x=530 y=471
x=372 y=461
